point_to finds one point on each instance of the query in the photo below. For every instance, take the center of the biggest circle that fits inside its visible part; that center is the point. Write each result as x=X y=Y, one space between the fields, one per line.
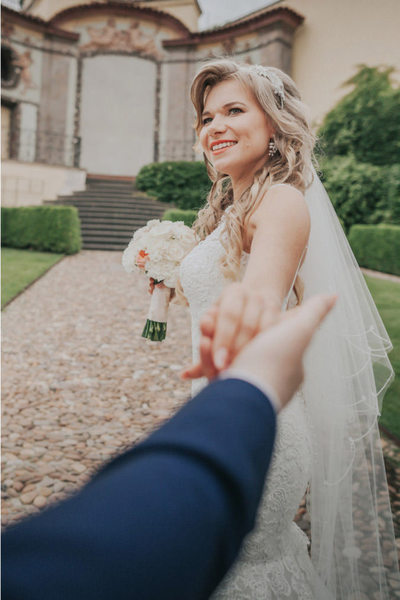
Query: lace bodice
x=274 y=562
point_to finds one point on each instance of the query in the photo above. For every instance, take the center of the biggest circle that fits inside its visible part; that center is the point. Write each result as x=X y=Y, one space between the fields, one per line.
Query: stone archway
x=117 y=113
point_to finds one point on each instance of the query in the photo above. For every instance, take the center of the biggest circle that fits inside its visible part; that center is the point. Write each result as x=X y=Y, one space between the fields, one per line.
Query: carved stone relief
x=110 y=37
x=23 y=61
x=16 y=68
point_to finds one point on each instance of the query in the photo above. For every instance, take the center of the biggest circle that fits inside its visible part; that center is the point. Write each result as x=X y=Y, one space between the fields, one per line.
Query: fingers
x=315 y=310
x=205 y=367
x=229 y=318
x=208 y=322
x=250 y=323
x=193 y=372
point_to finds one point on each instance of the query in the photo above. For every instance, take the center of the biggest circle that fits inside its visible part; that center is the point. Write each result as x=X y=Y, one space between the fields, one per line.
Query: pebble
x=40 y=501
x=27 y=498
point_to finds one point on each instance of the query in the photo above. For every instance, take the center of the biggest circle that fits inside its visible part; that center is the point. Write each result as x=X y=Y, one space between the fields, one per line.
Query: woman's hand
x=153 y=284
x=236 y=318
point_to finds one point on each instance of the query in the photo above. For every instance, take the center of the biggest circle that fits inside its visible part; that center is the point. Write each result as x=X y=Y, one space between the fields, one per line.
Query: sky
x=217 y=12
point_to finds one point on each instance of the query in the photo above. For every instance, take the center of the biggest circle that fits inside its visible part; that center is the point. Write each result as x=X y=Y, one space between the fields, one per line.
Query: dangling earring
x=272 y=149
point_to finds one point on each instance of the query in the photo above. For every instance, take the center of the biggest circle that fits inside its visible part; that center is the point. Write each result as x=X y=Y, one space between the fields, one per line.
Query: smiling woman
x=269 y=235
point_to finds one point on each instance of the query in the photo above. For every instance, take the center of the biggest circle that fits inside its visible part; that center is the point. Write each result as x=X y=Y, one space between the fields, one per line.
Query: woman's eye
x=235 y=110
x=206 y=120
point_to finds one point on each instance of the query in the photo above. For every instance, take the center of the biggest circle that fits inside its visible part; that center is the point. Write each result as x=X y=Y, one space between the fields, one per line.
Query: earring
x=272 y=149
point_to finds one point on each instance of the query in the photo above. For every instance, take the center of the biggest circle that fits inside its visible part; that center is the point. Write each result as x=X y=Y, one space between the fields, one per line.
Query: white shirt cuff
x=254 y=380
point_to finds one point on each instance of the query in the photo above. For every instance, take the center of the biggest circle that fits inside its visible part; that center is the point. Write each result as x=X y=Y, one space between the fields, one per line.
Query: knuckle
x=247 y=330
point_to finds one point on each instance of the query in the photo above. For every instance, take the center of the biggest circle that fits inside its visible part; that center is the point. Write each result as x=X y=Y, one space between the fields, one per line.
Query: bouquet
x=158 y=250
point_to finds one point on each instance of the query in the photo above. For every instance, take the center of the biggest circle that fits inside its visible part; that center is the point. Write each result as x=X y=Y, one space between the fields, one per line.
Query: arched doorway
x=117 y=113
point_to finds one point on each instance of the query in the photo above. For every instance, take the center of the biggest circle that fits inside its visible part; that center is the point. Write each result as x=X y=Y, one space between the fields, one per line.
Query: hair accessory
x=272 y=149
x=275 y=80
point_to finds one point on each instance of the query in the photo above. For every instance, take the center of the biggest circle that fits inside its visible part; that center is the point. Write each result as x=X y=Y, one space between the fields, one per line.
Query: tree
x=366 y=122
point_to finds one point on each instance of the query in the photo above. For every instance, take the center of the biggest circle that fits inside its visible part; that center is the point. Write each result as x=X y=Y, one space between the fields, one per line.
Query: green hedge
x=177 y=214
x=45 y=228
x=362 y=193
x=377 y=247
x=184 y=184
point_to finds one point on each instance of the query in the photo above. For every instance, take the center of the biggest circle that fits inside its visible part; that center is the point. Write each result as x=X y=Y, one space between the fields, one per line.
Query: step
x=111 y=192
x=128 y=202
x=104 y=247
x=111 y=219
x=115 y=230
x=136 y=216
x=123 y=241
x=112 y=203
x=117 y=206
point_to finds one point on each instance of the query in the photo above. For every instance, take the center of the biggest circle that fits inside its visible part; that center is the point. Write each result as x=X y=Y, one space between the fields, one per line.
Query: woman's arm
x=277 y=235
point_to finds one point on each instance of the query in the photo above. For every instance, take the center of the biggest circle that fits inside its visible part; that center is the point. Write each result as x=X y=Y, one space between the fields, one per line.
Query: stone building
x=102 y=87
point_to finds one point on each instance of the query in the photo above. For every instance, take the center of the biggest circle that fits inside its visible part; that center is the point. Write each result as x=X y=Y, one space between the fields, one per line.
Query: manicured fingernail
x=220 y=358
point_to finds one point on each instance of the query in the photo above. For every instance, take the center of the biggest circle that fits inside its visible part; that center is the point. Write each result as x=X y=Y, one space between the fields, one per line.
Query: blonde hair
x=291 y=163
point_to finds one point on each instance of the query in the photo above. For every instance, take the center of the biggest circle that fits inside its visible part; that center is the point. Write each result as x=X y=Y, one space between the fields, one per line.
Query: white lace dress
x=274 y=563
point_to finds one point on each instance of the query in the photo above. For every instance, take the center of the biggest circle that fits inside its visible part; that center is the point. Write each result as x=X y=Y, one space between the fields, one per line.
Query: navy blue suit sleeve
x=164 y=521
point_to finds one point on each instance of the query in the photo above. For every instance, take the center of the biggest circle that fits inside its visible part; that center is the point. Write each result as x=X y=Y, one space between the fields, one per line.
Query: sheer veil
x=346 y=374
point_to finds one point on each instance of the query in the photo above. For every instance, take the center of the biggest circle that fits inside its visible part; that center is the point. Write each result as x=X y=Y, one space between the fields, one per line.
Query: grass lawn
x=387 y=298
x=19 y=268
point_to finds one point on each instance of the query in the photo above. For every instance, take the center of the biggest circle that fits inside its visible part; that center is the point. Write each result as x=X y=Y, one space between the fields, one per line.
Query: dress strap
x=286 y=300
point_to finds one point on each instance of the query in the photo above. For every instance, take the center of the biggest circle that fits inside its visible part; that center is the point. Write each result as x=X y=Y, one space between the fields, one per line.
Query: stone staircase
x=110 y=211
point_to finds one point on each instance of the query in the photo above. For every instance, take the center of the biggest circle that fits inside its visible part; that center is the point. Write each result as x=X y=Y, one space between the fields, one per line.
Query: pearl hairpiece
x=275 y=80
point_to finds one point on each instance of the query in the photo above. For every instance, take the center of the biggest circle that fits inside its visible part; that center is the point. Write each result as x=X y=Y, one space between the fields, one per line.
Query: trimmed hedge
x=362 y=193
x=46 y=228
x=177 y=214
x=377 y=247
x=184 y=184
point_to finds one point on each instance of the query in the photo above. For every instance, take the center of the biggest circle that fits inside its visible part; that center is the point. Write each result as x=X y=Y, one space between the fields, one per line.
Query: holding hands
x=228 y=326
x=278 y=339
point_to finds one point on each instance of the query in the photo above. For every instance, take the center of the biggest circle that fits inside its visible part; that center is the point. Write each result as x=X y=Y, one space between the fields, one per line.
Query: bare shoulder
x=282 y=203
x=282 y=215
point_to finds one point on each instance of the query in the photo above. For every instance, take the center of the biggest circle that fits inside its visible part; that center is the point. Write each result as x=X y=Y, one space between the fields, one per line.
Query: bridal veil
x=346 y=374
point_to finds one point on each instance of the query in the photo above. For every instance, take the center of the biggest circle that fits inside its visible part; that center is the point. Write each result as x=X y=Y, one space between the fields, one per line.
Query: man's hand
x=275 y=357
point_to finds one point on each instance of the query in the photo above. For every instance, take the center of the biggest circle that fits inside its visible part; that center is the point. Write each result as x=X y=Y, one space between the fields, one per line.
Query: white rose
x=175 y=251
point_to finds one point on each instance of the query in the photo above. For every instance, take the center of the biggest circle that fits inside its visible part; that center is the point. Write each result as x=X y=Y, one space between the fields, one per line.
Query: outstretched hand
x=275 y=355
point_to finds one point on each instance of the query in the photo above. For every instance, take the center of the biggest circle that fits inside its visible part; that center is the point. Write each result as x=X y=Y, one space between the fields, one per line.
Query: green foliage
x=366 y=122
x=20 y=268
x=184 y=184
x=386 y=295
x=177 y=214
x=362 y=193
x=377 y=247
x=47 y=228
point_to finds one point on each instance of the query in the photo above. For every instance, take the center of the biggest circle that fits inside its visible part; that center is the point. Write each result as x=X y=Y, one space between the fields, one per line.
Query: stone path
x=80 y=384
x=380 y=275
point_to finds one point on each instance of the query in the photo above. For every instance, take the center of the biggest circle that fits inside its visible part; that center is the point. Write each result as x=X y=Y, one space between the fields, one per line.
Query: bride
x=269 y=238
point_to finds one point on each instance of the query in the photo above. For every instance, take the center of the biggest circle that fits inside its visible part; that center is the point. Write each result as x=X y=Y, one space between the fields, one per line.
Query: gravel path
x=80 y=384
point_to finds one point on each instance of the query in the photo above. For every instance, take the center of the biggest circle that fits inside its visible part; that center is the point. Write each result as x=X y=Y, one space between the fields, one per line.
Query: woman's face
x=235 y=131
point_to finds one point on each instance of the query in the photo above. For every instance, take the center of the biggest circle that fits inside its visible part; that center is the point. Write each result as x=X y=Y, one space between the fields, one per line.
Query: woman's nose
x=218 y=124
